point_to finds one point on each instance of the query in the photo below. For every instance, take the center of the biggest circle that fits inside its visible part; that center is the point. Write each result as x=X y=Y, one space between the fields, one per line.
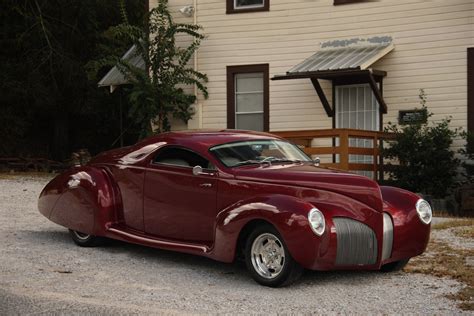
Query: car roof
x=205 y=139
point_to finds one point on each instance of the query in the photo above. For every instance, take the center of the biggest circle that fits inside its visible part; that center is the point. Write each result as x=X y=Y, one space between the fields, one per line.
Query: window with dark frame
x=248 y=97
x=338 y=2
x=246 y=6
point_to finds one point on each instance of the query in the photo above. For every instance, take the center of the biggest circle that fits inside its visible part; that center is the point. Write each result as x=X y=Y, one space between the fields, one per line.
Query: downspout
x=195 y=53
x=197 y=108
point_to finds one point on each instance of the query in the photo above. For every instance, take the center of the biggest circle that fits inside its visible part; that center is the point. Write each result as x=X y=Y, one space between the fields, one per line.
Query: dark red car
x=228 y=194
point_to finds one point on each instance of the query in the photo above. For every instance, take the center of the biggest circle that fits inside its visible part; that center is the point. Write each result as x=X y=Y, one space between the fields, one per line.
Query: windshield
x=258 y=152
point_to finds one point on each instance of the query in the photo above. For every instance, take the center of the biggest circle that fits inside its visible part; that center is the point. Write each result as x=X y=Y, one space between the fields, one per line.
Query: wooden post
x=376 y=156
x=344 y=145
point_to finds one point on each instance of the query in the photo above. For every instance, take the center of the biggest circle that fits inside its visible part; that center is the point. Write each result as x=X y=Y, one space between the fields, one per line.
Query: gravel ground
x=43 y=272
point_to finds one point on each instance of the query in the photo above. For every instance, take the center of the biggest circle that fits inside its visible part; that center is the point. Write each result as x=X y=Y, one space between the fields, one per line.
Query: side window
x=181 y=157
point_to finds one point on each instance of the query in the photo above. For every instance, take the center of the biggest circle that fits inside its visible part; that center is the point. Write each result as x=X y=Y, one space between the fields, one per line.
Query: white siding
x=430 y=40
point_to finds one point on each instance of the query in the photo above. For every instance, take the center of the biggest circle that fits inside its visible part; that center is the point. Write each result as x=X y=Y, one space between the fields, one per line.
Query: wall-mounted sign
x=416 y=116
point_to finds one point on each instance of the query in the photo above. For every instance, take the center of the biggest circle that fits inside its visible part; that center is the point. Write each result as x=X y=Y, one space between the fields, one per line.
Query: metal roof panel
x=346 y=54
x=115 y=77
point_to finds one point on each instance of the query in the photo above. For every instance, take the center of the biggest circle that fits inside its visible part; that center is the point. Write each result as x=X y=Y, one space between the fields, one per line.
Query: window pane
x=353 y=106
x=356 y=107
x=249 y=82
x=180 y=157
x=253 y=122
x=345 y=100
x=247 y=3
x=252 y=102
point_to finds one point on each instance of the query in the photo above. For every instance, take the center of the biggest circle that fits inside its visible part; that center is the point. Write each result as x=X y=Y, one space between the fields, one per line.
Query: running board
x=158 y=243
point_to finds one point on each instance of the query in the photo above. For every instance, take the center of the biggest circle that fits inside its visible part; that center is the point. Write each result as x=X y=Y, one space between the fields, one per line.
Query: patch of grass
x=442 y=260
x=454 y=223
x=439 y=213
x=466 y=296
x=465 y=232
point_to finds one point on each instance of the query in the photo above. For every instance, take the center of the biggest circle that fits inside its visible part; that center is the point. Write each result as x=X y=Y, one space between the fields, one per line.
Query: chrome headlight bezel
x=317 y=222
x=425 y=213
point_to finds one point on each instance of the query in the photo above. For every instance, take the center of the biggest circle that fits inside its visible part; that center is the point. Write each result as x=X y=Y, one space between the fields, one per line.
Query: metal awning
x=115 y=77
x=343 y=58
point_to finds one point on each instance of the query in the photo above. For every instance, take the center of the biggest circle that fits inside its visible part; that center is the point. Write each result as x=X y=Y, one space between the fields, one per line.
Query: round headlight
x=316 y=221
x=424 y=211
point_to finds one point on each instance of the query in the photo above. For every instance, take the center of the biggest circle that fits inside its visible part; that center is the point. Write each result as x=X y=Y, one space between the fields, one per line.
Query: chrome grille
x=387 y=236
x=356 y=242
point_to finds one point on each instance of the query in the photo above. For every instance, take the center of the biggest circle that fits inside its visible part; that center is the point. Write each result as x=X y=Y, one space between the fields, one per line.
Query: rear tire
x=394 y=266
x=268 y=260
x=84 y=240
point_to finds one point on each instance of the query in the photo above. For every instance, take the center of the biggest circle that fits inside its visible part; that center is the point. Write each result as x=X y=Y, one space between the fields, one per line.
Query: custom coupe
x=239 y=194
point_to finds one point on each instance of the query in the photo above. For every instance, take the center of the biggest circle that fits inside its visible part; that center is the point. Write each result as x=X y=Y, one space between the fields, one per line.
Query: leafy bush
x=156 y=92
x=425 y=161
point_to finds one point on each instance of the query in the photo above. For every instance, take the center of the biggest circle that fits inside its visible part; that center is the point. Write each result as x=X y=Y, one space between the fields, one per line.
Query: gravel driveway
x=43 y=272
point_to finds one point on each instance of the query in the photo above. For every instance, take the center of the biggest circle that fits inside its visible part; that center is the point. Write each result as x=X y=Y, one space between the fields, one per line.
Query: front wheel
x=84 y=240
x=394 y=266
x=268 y=259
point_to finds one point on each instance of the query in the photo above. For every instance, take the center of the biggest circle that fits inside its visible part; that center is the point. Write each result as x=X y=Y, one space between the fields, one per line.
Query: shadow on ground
x=156 y=257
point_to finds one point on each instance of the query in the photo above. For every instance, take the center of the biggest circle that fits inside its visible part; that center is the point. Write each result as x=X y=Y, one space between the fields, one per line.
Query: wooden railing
x=340 y=145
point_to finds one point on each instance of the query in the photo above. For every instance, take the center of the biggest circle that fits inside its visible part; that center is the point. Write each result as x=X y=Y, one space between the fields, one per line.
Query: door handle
x=205 y=185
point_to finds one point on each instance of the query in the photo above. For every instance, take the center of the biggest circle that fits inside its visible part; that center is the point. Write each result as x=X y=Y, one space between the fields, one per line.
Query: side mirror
x=197 y=170
x=317 y=161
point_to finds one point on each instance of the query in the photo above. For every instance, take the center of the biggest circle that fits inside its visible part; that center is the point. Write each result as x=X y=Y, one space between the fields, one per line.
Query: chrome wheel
x=84 y=240
x=81 y=236
x=268 y=255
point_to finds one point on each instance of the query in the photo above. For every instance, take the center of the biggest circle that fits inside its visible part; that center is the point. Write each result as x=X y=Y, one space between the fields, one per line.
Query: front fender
x=287 y=214
x=81 y=199
x=410 y=234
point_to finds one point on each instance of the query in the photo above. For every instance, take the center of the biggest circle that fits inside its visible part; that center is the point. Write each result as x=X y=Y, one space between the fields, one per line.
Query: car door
x=179 y=205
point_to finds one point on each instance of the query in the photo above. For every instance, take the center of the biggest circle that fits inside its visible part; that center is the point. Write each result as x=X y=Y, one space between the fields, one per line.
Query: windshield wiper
x=283 y=160
x=247 y=162
x=268 y=160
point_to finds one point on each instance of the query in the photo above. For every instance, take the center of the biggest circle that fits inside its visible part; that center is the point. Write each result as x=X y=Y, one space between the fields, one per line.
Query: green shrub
x=426 y=163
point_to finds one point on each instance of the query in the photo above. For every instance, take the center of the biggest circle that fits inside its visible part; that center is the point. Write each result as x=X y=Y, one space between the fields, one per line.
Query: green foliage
x=426 y=162
x=157 y=92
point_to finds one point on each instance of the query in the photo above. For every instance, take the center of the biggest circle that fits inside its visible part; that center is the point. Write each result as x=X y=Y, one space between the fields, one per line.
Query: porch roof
x=115 y=77
x=343 y=55
x=338 y=59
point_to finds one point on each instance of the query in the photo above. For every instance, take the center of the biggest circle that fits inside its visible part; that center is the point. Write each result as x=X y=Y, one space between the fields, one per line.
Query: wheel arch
x=287 y=214
x=246 y=231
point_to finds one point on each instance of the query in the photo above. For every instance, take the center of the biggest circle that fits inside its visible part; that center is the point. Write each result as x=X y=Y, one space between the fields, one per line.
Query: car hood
x=354 y=186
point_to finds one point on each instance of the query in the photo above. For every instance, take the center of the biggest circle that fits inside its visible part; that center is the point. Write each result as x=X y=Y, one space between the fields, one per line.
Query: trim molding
x=470 y=89
x=156 y=242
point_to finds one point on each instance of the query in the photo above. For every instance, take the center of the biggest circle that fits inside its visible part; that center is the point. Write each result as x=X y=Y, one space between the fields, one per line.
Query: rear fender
x=82 y=199
x=287 y=214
